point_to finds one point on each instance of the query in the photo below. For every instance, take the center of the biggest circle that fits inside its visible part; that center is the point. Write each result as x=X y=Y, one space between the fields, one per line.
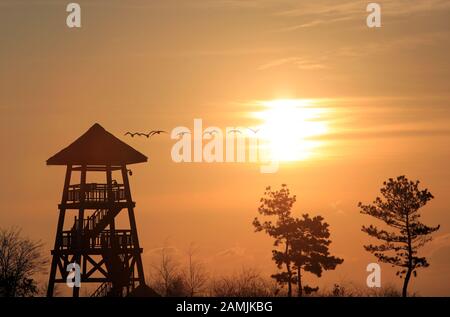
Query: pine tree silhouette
x=399 y=209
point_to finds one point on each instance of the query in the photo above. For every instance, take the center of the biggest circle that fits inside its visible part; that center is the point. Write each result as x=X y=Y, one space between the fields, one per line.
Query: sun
x=291 y=127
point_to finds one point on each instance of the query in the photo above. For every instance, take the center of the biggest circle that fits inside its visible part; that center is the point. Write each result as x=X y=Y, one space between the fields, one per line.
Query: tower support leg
x=59 y=229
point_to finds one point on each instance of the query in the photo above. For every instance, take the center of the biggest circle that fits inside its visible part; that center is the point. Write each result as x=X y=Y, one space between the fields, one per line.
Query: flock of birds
x=158 y=132
x=148 y=135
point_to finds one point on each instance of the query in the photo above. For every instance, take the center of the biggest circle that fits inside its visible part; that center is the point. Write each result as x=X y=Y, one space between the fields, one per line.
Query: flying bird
x=183 y=133
x=147 y=135
x=235 y=130
x=254 y=130
x=132 y=134
x=144 y=134
x=211 y=132
x=153 y=132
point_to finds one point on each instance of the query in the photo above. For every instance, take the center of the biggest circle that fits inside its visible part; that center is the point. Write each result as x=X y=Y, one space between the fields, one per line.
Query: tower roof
x=97 y=147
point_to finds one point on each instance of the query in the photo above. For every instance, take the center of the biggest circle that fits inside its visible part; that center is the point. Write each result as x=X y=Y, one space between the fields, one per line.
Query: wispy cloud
x=300 y=63
x=326 y=58
x=383 y=134
x=236 y=3
x=323 y=9
x=398 y=43
x=312 y=23
x=324 y=12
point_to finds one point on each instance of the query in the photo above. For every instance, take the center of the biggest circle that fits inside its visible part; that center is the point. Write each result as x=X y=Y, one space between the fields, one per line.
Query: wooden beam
x=77 y=256
x=96 y=266
x=96 y=168
x=133 y=227
x=59 y=229
x=97 y=205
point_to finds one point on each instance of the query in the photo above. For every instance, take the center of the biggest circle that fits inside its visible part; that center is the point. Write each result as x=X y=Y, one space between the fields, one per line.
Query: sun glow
x=290 y=126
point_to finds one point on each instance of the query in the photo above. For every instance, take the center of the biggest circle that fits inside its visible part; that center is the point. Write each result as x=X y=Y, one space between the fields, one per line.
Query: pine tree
x=399 y=209
x=279 y=203
x=301 y=244
x=310 y=250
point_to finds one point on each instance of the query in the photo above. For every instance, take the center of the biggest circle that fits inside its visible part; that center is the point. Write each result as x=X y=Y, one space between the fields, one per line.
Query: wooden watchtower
x=106 y=254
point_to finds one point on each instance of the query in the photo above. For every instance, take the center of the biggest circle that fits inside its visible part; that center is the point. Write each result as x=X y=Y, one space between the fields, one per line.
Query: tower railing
x=103 y=290
x=123 y=239
x=94 y=192
x=90 y=223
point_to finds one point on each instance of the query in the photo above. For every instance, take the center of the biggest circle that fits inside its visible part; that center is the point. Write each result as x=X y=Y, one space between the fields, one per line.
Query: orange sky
x=160 y=64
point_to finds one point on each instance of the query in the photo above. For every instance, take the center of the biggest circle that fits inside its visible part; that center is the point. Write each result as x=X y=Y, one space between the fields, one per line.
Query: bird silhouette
x=211 y=132
x=235 y=130
x=147 y=135
x=254 y=130
x=183 y=133
x=132 y=134
x=153 y=132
